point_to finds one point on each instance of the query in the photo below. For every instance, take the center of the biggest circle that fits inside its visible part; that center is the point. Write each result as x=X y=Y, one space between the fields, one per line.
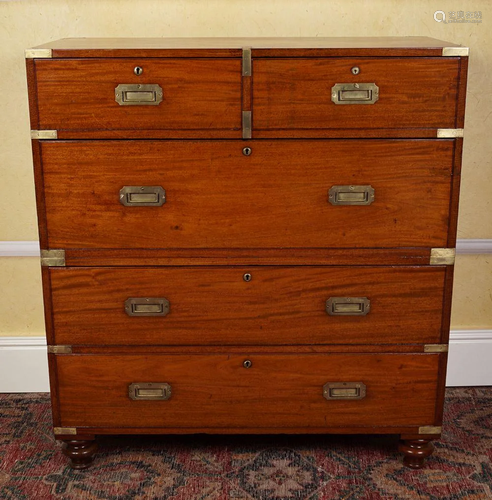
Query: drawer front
x=279 y=305
x=80 y=94
x=279 y=196
x=411 y=93
x=277 y=390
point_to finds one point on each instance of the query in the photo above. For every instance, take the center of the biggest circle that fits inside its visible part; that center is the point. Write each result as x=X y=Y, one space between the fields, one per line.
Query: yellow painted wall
x=32 y=22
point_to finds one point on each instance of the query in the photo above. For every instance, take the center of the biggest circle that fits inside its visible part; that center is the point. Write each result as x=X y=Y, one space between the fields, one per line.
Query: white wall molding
x=31 y=248
x=474 y=246
x=24 y=366
x=19 y=249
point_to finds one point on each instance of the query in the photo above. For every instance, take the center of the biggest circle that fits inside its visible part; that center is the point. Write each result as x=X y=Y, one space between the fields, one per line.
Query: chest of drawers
x=247 y=235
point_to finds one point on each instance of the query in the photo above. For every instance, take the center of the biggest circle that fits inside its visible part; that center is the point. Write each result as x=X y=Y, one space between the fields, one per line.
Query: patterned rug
x=247 y=467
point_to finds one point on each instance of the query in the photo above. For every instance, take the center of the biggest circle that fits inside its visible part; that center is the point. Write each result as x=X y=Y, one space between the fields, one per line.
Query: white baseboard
x=470 y=352
x=31 y=248
x=24 y=366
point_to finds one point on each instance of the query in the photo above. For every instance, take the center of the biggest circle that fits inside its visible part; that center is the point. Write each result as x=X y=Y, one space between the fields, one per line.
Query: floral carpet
x=247 y=467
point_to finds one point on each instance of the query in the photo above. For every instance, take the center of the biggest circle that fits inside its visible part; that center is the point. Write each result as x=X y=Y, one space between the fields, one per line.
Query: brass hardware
x=246 y=69
x=455 y=51
x=60 y=349
x=348 y=306
x=449 y=133
x=142 y=196
x=64 y=430
x=138 y=70
x=344 y=390
x=146 y=306
x=138 y=94
x=247 y=363
x=436 y=348
x=247 y=277
x=351 y=195
x=39 y=53
x=247 y=151
x=246 y=123
x=149 y=391
x=44 y=134
x=355 y=93
x=430 y=429
x=442 y=256
x=50 y=258
x=355 y=70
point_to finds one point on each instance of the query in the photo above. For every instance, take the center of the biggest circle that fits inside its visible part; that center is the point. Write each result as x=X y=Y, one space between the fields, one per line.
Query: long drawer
x=177 y=95
x=208 y=194
x=245 y=391
x=355 y=93
x=247 y=306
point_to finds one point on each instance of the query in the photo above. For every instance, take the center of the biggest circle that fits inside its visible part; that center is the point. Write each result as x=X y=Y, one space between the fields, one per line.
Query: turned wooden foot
x=415 y=452
x=80 y=453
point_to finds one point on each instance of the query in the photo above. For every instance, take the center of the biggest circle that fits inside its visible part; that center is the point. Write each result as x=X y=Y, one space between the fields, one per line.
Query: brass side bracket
x=247 y=67
x=60 y=349
x=449 y=133
x=455 y=51
x=442 y=256
x=64 y=430
x=247 y=125
x=39 y=53
x=430 y=429
x=52 y=258
x=44 y=134
x=436 y=348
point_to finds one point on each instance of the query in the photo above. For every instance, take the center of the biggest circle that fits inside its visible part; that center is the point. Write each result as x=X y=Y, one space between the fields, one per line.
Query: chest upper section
x=246 y=89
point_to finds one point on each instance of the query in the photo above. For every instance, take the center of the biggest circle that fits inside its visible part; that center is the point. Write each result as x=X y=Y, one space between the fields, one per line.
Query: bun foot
x=80 y=453
x=415 y=452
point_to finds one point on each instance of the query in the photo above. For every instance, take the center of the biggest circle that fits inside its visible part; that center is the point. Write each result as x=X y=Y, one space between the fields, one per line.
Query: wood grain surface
x=280 y=305
x=262 y=46
x=279 y=391
x=276 y=198
x=296 y=93
x=197 y=94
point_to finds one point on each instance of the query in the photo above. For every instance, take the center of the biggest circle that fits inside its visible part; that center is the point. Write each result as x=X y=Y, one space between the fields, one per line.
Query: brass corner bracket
x=44 y=134
x=455 y=51
x=50 y=258
x=39 y=53
x=60 y=349
x=430 y=429
x=436 y=348
x=64 y=430
x=450 y=133
x=442 y=256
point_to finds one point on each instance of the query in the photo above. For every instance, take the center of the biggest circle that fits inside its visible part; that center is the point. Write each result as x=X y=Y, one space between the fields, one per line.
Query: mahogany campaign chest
x=247 y=235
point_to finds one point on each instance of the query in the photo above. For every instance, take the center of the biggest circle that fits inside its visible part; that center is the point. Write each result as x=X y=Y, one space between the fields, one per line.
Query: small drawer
x=177 y=95
x=224 y=391
x=355 y=93
x=285 y=194
x=247 y=306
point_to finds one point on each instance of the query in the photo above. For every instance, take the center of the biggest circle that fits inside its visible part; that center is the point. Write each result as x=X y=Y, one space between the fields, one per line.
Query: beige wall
x=27 y=23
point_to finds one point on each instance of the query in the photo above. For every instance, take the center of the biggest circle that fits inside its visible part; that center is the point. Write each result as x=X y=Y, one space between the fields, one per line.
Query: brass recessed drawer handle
x=142 y=196
x=351 y=195
x=348 y=306
x=146 y=306
x=138 y=94
x=149 y=391
x=354 y=93
x=344 y=390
